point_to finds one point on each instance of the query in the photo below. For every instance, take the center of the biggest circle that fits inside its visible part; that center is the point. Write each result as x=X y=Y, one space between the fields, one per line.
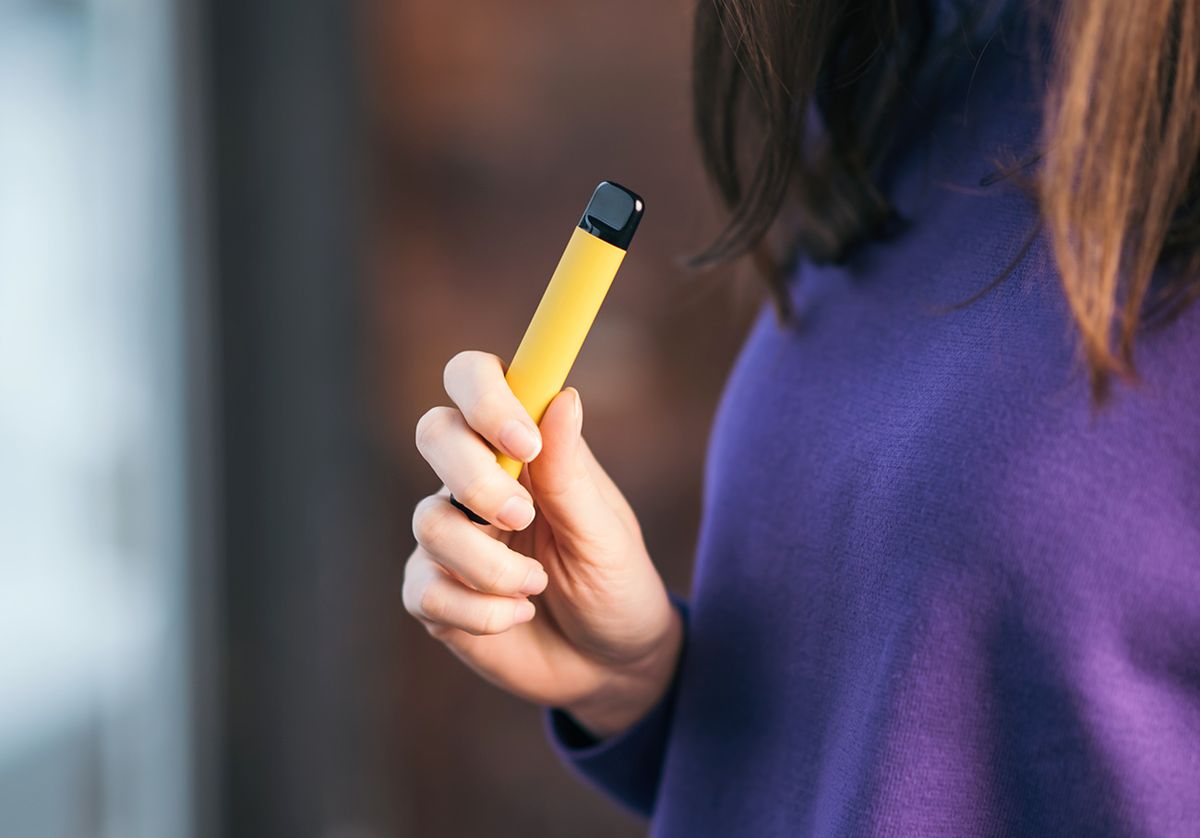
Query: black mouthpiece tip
x=613 y=214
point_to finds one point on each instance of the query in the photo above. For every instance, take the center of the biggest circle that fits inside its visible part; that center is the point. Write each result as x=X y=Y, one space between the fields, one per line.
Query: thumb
x=562 y=485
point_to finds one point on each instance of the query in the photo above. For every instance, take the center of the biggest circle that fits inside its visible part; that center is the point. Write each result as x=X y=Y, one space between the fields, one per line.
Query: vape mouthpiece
x=613 y=214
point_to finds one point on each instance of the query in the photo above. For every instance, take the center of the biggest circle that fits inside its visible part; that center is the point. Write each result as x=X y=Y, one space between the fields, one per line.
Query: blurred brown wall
x=489 y=125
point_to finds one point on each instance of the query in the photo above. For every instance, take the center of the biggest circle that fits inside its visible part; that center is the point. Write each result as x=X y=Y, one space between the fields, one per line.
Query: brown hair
x=794 y=104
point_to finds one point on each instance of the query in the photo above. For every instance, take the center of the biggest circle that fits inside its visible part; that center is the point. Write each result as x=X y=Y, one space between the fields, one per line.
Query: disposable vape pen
x=569 y=305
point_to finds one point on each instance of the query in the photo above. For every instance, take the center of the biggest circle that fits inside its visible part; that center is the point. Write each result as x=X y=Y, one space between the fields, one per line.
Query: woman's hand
x=603 y=640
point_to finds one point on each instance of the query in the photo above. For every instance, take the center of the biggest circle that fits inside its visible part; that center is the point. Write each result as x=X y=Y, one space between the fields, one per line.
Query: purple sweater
x=935 y=593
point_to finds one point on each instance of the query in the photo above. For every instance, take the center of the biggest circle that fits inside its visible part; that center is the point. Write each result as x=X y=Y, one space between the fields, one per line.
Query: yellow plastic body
x=560 y=324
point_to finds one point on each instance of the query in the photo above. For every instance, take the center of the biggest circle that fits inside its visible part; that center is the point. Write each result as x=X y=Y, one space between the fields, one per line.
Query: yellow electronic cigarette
x=569 y=305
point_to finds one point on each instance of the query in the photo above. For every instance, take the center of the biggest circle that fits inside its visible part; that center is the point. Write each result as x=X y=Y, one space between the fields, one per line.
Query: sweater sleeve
x=628 y=765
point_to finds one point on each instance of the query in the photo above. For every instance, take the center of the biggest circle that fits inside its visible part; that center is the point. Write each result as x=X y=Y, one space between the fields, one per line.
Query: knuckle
x=429 y=522
x=491 y=620
x=431 y=603
x=489 y=406
x=432 y=424
x=475 y=493
x=502 y=576
x=462 y=363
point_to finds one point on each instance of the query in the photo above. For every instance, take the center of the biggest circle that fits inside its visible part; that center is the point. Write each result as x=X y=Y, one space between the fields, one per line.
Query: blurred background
x=238 y=242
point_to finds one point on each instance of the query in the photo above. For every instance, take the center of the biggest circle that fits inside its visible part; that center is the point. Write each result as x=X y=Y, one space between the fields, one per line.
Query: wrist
x=632 y=690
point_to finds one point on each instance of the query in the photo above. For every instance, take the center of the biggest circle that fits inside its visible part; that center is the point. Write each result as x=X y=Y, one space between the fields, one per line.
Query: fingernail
x=577 y=407
x=523 y=612
x=520 y=441
x=516 y=513
x=535 y=582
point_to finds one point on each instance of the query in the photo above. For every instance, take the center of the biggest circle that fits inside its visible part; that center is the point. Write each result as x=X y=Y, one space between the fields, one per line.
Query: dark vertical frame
x=201 y=402
x=301 y=748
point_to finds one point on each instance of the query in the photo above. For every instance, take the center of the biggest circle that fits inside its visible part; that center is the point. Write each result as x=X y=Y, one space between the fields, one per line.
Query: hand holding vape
x=569 y=305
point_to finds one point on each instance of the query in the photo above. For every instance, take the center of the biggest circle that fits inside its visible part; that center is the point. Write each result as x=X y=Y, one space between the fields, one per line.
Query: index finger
x=475 y=382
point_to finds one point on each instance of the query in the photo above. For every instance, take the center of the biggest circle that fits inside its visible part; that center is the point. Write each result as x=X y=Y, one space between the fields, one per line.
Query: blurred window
x=93 y=600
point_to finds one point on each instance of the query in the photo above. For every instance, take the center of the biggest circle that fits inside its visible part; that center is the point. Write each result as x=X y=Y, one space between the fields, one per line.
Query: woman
x=948 y=578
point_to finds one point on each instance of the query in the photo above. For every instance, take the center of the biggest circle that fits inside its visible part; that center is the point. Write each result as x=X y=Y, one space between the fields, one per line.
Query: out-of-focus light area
x=93 y=682
x=238 y=243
